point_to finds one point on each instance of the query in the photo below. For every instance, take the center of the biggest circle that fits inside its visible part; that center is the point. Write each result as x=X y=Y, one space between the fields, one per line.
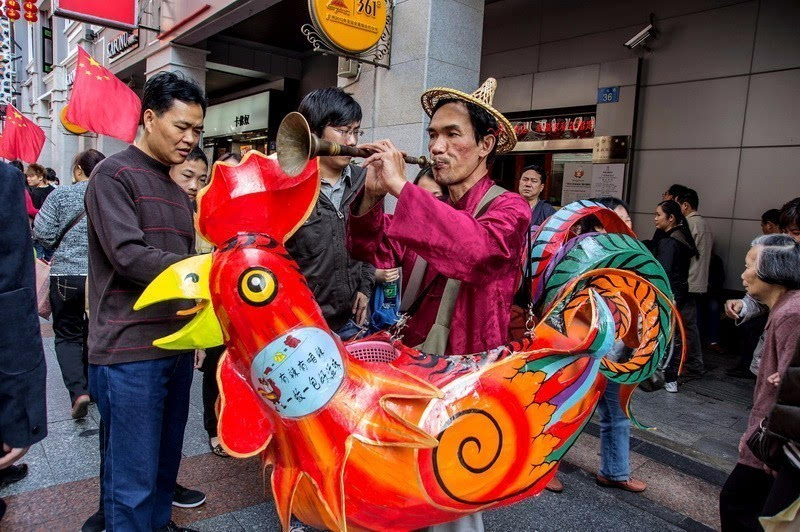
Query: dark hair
x=483 y=123
x=672 y=208
x=16 y=163
x=689 y=196
x=790 y=214
x=37 y=169
x=50 y=175
x=329 y=107
x=87 y=160
x=772 y=216
x=539 y=170
x=164 y=88
x=589 y=223
x=197 y=155
x=612 y=203
x=676 y=190
x=228 y=156
x=427 y=171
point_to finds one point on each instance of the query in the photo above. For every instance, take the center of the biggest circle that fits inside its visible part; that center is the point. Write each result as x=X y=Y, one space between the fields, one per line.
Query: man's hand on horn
x=390 y=167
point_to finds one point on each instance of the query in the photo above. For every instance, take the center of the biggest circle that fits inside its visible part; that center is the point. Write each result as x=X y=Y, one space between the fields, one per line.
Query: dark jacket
x=23 y=373
x=785 y=416
x=320 y=249
x=674 y=250
x=140 y=222
x=541 y=212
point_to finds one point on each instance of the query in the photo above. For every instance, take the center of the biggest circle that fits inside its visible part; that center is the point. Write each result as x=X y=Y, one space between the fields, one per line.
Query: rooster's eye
x=258 y=286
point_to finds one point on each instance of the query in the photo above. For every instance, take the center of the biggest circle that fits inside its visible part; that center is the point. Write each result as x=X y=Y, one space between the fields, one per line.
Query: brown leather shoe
x=632 y=484
x=80 y=407
x=554 y=485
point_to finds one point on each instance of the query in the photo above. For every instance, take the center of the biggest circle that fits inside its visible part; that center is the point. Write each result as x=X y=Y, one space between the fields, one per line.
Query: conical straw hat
x=483 y=97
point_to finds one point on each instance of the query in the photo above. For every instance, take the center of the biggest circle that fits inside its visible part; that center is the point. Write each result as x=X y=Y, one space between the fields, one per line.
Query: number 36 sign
x=350 y=26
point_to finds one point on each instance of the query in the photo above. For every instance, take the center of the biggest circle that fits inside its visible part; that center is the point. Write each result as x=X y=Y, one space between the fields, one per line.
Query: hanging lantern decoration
x=30 y=11
x=12 y=4
x=12 y=14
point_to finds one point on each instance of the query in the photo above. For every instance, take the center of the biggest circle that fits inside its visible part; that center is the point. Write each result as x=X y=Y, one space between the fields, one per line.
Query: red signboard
x=120 y=14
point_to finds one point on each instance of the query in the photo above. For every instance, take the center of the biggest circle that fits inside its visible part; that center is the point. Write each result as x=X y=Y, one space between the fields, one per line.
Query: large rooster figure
x=375 y=435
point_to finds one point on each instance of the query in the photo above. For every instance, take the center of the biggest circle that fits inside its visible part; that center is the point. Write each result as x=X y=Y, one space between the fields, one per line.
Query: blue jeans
x=615 y=431
x=350 y=331
x=144 y=407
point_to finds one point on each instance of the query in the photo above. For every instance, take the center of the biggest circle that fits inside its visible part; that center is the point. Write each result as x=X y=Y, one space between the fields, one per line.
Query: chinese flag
x=102 y=103
x=21 y=139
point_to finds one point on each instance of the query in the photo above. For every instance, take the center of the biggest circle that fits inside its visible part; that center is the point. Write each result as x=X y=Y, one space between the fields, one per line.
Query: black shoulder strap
x=72 y=224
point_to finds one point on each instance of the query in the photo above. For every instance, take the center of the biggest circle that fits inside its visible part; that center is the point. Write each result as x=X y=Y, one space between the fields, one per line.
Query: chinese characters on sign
x=571 y=127
x=241 y=120
x=298 y=373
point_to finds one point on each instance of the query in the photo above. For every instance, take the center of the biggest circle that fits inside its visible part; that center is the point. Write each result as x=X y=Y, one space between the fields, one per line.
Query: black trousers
x=211 y=389
x=785 y=490
x=742 y=498
x=67 y=299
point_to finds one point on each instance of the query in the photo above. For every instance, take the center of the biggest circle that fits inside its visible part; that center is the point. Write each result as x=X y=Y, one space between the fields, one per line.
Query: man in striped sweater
x=140 y=222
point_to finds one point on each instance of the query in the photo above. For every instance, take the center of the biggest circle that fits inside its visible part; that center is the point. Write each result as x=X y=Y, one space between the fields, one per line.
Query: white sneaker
x=671 y=387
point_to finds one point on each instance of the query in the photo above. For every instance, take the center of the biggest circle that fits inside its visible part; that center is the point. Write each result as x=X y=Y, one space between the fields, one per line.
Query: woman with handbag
x=778 y=445
x=674 y=247
x=772 y=277
x=61 y=225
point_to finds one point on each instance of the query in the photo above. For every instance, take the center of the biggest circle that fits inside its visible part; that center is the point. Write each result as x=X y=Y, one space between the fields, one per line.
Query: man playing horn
x=461 y=256
x=474 y=239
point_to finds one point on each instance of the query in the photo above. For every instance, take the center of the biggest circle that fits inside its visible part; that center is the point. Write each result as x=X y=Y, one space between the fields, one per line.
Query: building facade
x=711 y=102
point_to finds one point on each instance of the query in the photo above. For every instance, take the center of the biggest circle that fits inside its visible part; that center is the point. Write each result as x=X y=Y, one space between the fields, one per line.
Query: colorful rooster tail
x=618 y=268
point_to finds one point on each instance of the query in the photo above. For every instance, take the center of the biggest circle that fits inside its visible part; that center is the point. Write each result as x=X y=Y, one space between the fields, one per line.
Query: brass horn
x=296 y=145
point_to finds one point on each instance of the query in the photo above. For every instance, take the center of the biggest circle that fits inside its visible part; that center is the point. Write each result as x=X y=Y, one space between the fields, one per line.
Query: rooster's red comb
x=255 y=196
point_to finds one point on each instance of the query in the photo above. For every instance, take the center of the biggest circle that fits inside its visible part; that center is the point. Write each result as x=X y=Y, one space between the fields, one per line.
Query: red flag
x=21 y=139
x=102 y=103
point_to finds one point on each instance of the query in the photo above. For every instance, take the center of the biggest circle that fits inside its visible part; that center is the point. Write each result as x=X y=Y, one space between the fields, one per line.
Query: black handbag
x=767 y=446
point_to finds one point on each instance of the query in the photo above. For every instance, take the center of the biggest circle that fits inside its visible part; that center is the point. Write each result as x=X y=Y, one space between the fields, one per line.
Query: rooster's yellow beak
x=187 y=279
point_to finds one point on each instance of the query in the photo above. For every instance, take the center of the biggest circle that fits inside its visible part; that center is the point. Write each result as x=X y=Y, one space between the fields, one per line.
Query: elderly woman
x=772 y=277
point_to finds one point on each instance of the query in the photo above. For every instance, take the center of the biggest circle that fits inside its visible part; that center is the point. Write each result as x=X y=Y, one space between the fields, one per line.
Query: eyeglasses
x=346 y=133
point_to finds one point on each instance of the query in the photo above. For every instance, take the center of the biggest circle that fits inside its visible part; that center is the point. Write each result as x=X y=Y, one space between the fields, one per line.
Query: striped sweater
x=140 y=222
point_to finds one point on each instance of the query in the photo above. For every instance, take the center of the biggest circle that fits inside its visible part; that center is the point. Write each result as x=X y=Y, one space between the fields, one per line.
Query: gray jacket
x=58 y=210
x=320 y=249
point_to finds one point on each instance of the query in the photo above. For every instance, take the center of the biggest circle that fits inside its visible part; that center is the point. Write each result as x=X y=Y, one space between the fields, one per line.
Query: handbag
x=767 y=446
x=43 y=273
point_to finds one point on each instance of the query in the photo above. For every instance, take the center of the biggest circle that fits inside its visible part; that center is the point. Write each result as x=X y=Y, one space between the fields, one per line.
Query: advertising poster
x=577 y=182
x=607 y=180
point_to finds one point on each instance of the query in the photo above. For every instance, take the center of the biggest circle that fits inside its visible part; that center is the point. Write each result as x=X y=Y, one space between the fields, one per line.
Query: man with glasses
x=341 y=285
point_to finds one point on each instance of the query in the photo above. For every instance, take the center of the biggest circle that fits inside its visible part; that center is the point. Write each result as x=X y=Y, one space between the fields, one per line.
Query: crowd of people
x=128 y=216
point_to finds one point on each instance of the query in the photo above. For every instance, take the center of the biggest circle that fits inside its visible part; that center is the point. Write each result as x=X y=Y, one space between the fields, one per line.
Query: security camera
x=640 y=38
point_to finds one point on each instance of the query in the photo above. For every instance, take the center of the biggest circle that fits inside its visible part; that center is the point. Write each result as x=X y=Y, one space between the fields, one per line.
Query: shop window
x=47 y=45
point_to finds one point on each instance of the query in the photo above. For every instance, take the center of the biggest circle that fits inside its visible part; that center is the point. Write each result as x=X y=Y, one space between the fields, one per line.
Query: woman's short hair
x=778 y=260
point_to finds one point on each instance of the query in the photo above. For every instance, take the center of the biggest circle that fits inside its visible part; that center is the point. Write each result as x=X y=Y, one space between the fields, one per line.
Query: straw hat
x=506 y=139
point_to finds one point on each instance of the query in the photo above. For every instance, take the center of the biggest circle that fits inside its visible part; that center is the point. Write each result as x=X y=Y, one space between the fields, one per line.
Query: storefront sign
x=349 y=26
x=577 y=183
x=608 y=95
x=120 y=14
x=121 y=45
x=237 y=116
x=562 y=127
x=607 y=180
